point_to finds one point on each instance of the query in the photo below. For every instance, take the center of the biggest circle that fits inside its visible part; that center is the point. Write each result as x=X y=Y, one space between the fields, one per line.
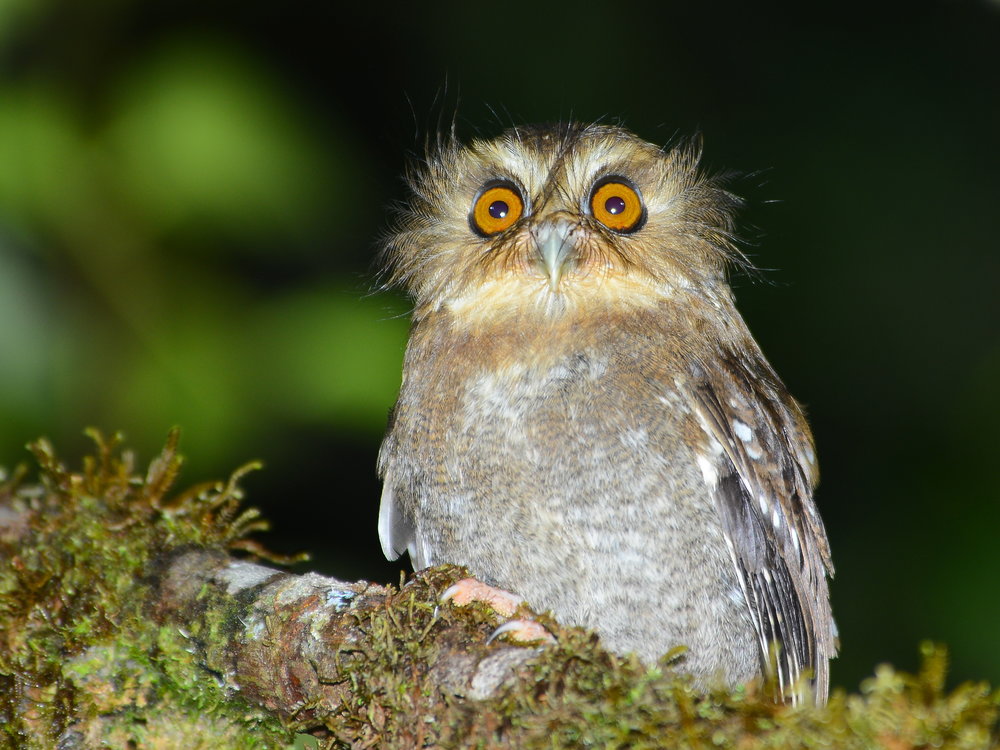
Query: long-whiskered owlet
x=584 y=417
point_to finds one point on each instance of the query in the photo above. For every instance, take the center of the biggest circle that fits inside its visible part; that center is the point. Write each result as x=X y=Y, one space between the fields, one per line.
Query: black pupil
x=499 y=209
x=614 y=205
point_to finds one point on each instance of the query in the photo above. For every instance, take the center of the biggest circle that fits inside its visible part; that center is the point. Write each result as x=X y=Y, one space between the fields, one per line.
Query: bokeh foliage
x=191 y=194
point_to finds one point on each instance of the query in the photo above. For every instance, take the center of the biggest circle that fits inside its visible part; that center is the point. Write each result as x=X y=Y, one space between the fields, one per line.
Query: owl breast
x=571 y=477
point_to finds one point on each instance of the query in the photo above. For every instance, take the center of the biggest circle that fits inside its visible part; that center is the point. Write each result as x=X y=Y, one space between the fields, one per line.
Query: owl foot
x=504 y=603
x=523 y=631
x=469 y=590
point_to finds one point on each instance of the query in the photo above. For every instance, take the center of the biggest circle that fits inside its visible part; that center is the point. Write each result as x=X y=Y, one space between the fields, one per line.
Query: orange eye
x=498 y=206
x=617 y=205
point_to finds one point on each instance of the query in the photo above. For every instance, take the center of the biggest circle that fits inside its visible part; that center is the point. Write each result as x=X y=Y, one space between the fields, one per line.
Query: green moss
x=575 y=695
x=80 y=656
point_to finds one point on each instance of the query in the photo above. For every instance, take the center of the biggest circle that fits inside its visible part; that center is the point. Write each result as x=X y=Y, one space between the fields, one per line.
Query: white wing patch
x=395 y=532
x=708 y=471
x=742 y=430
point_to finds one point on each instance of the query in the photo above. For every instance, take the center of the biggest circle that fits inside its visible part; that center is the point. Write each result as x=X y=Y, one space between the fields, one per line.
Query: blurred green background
x=191 y=195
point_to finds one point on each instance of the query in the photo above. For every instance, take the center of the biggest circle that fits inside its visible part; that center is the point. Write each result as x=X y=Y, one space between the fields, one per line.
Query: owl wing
x=763 y=469
x=398 y=533
x=397 y=530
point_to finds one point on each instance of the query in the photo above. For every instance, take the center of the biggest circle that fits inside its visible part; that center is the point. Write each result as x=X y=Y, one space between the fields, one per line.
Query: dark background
x=191 y=194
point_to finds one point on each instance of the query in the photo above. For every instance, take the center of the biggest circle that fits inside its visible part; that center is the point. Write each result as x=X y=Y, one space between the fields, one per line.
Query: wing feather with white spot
x=398 y=533
x=764 y=485
x=397 y=529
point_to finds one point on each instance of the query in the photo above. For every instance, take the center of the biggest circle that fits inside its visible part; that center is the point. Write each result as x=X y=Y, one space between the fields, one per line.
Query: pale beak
x=555 y=248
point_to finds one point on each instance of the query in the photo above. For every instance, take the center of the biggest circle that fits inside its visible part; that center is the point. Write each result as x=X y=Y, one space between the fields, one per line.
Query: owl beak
x=555 y=247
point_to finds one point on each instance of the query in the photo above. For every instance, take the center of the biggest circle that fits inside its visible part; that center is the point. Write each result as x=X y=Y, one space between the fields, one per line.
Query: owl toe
x=523 y=631
x=469 y=590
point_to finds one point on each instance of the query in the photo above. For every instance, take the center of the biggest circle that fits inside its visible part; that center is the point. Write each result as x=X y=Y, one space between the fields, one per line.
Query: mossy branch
x=126 y=621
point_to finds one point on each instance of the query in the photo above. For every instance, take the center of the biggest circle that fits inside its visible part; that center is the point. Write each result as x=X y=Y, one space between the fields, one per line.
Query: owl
x=584 y=417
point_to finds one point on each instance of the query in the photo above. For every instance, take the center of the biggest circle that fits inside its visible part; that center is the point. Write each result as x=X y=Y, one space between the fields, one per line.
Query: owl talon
x=469 y=590
x=523 y=631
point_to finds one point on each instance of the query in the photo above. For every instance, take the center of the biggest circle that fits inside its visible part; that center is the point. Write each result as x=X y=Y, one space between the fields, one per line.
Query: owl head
x=550 y=217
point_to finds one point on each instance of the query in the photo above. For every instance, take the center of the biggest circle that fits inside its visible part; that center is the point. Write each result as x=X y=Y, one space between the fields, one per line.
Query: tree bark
x=290 y=643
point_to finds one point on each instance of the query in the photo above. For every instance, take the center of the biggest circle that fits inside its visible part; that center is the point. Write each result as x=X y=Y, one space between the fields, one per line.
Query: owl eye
x=497 y=207
x=617 y=205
